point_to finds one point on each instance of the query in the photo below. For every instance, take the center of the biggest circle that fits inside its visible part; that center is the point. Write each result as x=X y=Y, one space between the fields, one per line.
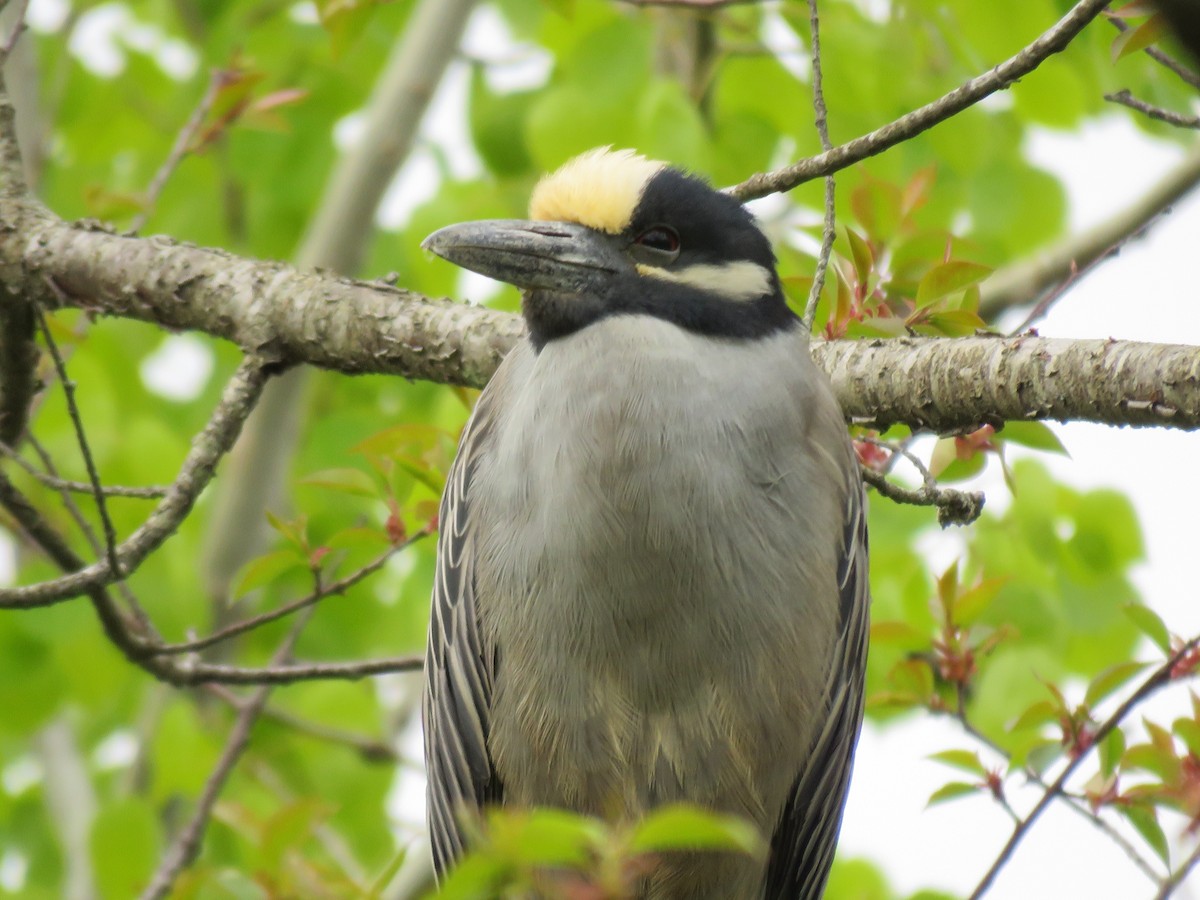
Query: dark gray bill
x=556 y=256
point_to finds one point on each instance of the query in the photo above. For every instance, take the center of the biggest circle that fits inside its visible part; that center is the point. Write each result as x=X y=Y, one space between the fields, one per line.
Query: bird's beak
x=555 y=256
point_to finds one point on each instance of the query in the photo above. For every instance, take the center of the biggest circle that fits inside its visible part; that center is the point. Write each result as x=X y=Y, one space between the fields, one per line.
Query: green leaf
x=900 y=633
x=1145 y=820
x=262 y=570
x=955 y=322
x=344 y=480
x=1135 y=39
x=544 y=836
x=1149 y=624
x=1111 y=750
x=965 y=760
x=1036 y=435
x=1188 y=730
x=974 y=602
x=1037 y=715
x=476 y=877
x=686 y=827
x=288 y=827
x=947 y=278
x=1111 y=679
x=864 y=257
x=952 y=791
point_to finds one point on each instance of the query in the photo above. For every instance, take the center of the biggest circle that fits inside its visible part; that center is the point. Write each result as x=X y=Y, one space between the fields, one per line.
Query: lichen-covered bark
x=951 y=383
x=288 y=316
x=272 y=310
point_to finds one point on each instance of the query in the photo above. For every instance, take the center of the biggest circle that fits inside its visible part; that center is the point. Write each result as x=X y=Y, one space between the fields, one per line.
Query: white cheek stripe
x=739 y=281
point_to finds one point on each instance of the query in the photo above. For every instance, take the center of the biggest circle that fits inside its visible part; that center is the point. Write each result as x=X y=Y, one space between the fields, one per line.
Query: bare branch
x=18 y=27
x=372 y=750
x=947 y=384
x=18 y=368
x=338 y=587
x=822 y=115
x=186 y=845
x=150 y=492
x=186 y=673
x=1160 y=677
x=913 y=123
x=85 y=450
x=1026 y=282
x=953 y=507
x=197 y=471
x=1125 y=98
x=1176 y=878
x=1077 y=805
x=144 y=625
x=183 y=141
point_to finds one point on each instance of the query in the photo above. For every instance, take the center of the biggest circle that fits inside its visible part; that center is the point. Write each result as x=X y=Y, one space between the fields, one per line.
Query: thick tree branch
x=274 y=311
x=947 y=384
x=913 y=123
x=356 y=327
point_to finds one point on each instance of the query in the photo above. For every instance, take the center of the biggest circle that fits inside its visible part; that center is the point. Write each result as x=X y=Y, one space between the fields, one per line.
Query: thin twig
x=338 y=587
x=211 y=673
x=186 y=845
x=216 y=80
x=1075 y=804
x=902 y=450
x=150 y=492
x=136 y=647
x=1076 y=273
x=1190 y=76
x=198 y=469
x=19 y=26
x=913 y=123
x=1126 y=98
x=85 y=450
x=953 y=507
x=1161 y=676
x=146 y=627
x=822 y=122
x=372 y=750
x=1176 y=878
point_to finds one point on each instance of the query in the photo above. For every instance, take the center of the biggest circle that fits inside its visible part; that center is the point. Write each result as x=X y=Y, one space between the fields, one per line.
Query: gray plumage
x=652 y=587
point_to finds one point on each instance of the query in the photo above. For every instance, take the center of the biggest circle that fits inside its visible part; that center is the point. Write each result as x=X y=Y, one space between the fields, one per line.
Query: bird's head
x=613 y=233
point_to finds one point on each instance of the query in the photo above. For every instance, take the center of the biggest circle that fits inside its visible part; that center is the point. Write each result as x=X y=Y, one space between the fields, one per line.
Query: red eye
x=660 y=238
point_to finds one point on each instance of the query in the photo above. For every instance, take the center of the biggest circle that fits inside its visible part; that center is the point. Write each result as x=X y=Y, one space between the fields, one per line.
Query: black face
x=680 y=223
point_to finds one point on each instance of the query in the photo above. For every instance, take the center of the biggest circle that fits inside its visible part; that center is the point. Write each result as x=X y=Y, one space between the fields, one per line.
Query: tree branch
x=358 y=327
x=946 y=384
x=196 y=472
x=186 y=845
x=1160 y=677
x=1126 y=98
x=913 y=123
x=822 y=123
x=338 y=587
x=1024 y=283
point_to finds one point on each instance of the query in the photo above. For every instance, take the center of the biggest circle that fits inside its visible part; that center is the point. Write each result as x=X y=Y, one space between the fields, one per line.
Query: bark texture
x=287 y=316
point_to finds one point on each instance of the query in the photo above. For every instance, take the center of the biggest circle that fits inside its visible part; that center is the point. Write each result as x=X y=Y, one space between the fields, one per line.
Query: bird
x=651 y=578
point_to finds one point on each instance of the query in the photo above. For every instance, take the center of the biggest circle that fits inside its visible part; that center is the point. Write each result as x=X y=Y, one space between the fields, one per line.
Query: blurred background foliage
x=1040 y=594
